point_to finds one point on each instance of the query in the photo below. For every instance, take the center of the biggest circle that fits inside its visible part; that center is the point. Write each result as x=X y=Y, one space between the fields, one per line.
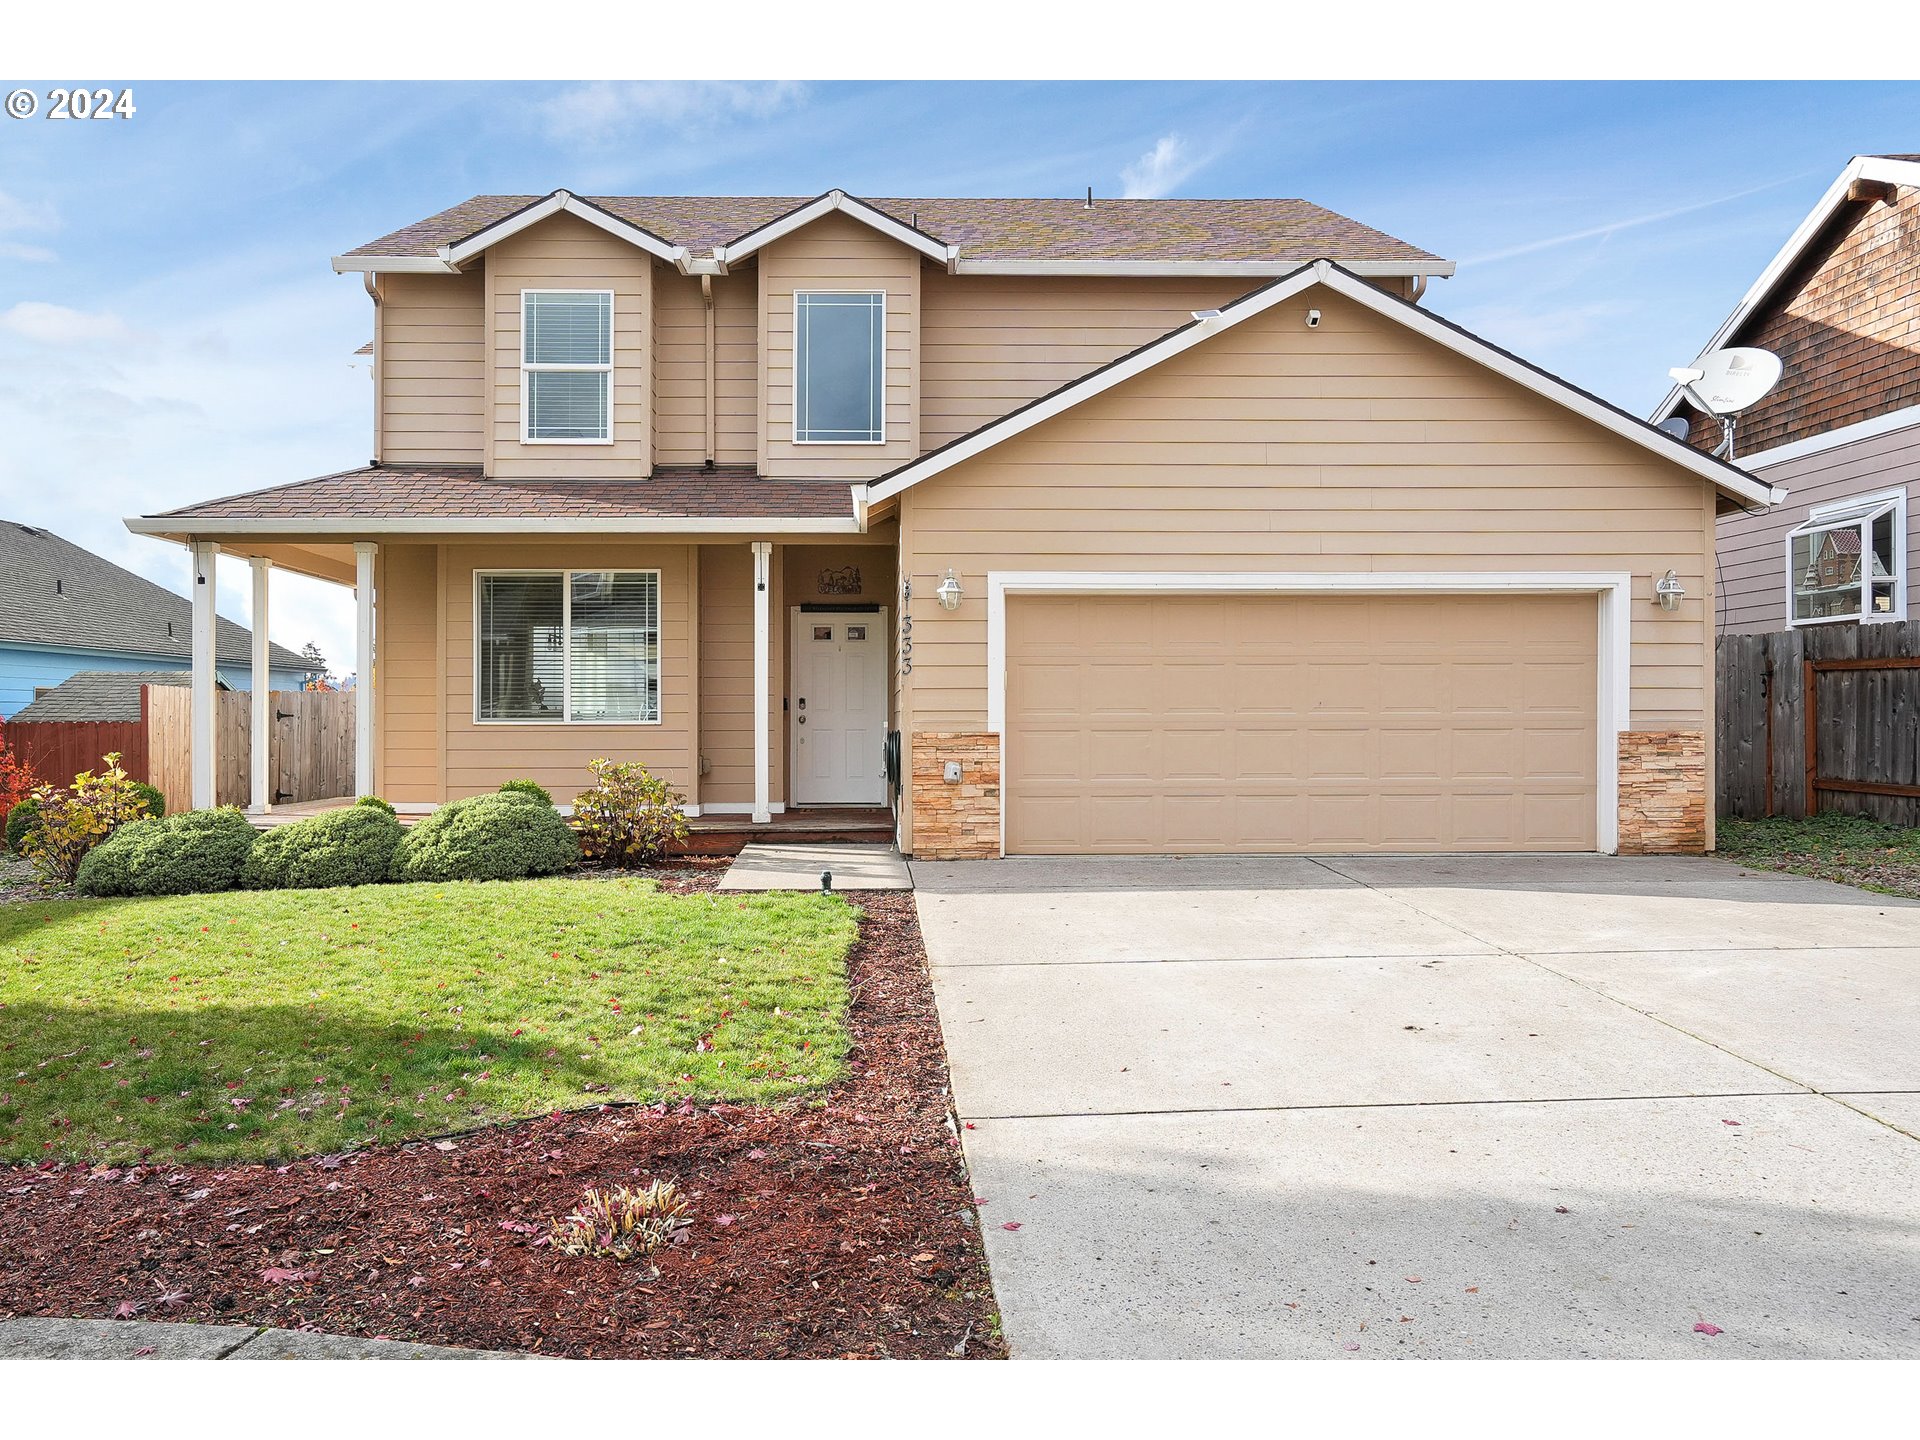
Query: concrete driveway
x=1435 y=1107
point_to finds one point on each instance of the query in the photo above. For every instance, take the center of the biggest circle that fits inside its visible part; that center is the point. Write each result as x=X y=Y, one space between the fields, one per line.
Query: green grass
x=269 y=1025
x=1852 y=849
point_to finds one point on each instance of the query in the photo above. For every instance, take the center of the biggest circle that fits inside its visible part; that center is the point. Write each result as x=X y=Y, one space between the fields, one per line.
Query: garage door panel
x=1149 y=724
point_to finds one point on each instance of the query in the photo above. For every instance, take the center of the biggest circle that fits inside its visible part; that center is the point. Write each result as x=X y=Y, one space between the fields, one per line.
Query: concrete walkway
x=36 y=1338
x=1524 y=1107
x=798 y=867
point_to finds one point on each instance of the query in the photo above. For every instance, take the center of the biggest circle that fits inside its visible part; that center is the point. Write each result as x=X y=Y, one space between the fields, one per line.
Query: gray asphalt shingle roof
x=97 y=695
x=54 y=593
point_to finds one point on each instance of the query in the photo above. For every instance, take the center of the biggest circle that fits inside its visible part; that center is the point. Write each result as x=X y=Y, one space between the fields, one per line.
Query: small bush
x=486 y=837
x=150 y=796
x=532 y=789
x=351 y=846
x=374 y=802
x=74 y=820
x=186 y=854
x=623 y=1223
x=20 y=820
x=628 y=815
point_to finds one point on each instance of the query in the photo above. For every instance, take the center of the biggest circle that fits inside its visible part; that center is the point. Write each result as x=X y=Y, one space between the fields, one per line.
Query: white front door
x=837 y=714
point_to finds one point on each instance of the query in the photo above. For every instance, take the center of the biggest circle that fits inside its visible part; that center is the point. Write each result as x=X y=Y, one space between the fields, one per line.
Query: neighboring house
x=1840 y=305
x=1156 y=525
x=98 y=695
x=64 y=610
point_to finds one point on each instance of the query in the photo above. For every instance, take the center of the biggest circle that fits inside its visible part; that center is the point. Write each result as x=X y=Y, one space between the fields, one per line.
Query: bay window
x=566 y=366
x=1849 y=561
x=568 y=646
x=839 y=367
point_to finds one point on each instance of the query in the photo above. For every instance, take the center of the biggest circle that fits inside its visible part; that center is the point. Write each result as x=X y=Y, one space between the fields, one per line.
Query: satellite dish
x=1677 y=427
x=1727 y=382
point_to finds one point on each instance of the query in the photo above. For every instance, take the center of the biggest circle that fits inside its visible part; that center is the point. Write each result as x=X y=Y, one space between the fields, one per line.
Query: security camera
x=1313 y=319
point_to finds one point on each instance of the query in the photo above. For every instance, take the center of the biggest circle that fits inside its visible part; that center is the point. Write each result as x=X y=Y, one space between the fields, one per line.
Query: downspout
x=368 y=279
x=706 y=296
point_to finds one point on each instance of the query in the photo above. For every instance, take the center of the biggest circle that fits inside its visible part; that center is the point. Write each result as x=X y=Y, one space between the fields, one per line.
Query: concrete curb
x=41 y=1338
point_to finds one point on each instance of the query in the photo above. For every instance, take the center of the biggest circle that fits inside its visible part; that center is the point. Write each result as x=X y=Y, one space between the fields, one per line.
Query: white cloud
x=606 y=110
x=1539 y=329
x=1614 y=227
x=18 y=214
x=27 y=254
x=57 y=325
x=1161 y=170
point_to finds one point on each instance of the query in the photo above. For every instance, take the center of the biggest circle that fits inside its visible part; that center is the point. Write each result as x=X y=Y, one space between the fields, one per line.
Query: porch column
x=363 y=553
x=204 y=745
x=762 y=682
x=262 y=696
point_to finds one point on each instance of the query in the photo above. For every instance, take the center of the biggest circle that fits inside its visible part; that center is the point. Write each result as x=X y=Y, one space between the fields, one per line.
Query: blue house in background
x=64 y=610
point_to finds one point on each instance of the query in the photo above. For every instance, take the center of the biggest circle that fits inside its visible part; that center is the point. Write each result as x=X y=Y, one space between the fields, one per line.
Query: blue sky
x=169 y=329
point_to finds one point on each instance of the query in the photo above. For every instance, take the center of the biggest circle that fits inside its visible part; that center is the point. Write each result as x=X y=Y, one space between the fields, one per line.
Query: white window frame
x=527 y=367
x=566 y=642
x=879 y=364
x=1821 y=518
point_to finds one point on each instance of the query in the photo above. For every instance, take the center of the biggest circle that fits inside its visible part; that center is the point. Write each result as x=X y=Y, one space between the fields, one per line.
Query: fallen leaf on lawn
x=1011 y=1225
x=281 y=1275
x=723 y=1219
x=1703 y=1328
x=128 y=1309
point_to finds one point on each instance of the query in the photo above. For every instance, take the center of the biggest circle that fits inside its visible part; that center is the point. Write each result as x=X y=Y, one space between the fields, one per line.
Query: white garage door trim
x=1614 y=639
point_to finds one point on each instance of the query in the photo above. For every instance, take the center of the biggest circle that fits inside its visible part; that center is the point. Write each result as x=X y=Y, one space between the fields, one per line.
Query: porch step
x=728 y=834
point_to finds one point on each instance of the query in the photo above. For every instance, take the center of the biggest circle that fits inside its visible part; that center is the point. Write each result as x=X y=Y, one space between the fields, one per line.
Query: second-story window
x=839 y=367
x=566 y=366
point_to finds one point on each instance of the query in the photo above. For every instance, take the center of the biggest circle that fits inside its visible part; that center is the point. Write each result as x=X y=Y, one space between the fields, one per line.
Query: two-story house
x=1041 y=526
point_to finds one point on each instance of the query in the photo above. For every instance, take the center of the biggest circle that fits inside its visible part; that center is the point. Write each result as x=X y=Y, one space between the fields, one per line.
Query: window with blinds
x=839 y=366
x=579 y=646
x=566 y=365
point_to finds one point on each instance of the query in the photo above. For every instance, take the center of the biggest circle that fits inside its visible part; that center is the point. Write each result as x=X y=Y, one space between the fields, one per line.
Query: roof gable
x=1207 y=324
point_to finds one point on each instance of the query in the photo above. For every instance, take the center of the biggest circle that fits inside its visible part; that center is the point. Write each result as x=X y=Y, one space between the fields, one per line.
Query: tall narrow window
x=1849 y=561
x=839 y=365
x=566 y=365
x=580 y=646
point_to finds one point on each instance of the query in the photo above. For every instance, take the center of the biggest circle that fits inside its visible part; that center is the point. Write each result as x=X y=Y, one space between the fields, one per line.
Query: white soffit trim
x=1325 y=272
x=1252 y=269
x=835 y=201
x=561 y=202
x=1862 y=167
x=1614 y=636
x=360 y=526
x=1833 y=439
x=392 y=265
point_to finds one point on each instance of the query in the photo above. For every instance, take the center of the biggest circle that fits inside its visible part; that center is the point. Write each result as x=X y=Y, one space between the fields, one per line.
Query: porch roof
x=452 y=499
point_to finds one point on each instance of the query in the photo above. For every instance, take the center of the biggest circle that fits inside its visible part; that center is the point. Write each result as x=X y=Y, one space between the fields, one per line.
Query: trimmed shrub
x=351 y=846
x=627 y=815
x=185 y=854
x=20 y=821
x=532 y=789
x=374 y=802
x=486 y=837
x=155 y=802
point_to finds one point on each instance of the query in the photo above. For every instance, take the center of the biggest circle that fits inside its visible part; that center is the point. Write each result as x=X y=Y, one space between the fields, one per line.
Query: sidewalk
x=37 y=1338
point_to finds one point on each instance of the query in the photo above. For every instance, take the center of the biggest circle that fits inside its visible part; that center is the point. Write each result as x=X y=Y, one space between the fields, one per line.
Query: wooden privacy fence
x=1824 y=718
x=311 y=750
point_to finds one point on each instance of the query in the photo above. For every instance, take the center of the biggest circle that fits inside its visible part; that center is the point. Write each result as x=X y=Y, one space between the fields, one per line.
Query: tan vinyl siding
x=408 y=716
x=726 y=676
x=837 y=253
x=431 y=369
x=480 y=755
x=566 y=253
x=1354 y=447
x=991 y=343
x=1753 y=552
x=680 y=368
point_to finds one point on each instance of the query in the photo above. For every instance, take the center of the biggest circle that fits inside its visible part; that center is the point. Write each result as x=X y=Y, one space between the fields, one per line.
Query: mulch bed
x=841 y=1227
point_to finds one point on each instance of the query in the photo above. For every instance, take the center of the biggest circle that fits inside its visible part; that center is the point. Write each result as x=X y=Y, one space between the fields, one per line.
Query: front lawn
x=1853 y=849
x=268 y=1025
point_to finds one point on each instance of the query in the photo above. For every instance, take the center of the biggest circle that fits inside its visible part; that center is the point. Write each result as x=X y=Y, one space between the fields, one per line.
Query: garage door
x=1184 y=724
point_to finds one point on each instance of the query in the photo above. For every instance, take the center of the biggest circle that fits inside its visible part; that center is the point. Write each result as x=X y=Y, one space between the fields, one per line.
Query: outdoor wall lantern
x=949 y=592
x=1668 y=591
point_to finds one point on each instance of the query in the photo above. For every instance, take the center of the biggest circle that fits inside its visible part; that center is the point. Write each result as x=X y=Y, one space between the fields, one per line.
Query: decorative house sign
x=844 y=581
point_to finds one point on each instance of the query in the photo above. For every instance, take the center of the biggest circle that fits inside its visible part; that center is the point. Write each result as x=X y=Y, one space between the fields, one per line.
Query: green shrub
x=486 y=837
x=374 y=802
x=351 y=846
x=151 y=797
x=186 y=854
x=532 y=789
x=21 y=819
x=627 y=815
x=74 y=820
